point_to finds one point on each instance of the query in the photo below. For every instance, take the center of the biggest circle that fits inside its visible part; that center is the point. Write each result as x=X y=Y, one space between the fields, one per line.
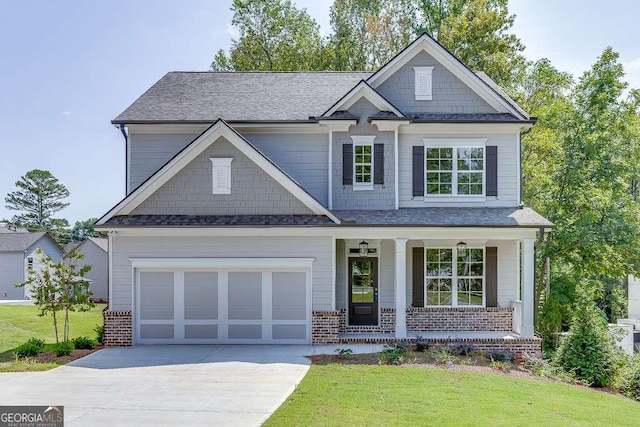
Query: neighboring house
x=324 y=207
x=96 y=254
x=631 y=340
x=18 y=255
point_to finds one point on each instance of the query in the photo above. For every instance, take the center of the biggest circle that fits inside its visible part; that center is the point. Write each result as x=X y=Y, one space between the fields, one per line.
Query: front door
x=363 y=291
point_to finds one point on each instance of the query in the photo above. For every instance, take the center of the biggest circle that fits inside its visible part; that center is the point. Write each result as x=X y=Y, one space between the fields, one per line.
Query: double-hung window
x=454 y=170
x=363 y=162
x=454 y=277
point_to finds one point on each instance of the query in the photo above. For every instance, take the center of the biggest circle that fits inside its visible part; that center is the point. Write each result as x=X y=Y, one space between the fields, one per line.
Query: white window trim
x=454 y=277
x=219 y=162
x=422 y=72
x=363 y=140
x=455 y=144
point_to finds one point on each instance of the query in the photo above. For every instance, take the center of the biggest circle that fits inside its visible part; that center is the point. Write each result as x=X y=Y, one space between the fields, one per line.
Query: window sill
x=365 y=187
x=222 y=191
x=457 y=199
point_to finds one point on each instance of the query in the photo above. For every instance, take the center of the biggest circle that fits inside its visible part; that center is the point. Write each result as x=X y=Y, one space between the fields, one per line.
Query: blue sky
x=68 y=67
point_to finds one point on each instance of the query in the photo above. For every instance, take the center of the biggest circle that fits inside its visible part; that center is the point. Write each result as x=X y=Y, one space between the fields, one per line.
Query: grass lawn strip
x=368 y=394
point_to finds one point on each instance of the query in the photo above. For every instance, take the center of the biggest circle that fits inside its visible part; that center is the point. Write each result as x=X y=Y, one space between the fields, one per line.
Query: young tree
x=274 y=36
x=39 y=196
x=59 y=286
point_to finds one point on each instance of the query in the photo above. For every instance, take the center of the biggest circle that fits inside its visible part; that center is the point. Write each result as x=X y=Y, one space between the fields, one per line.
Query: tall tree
x=274 y=36
x=39 y=196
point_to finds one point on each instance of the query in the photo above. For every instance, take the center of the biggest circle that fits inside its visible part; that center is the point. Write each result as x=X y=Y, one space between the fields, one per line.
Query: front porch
x=482 y=295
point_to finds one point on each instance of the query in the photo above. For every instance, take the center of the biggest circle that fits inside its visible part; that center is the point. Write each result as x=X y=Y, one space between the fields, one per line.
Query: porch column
x=528 y=265
x=401 y=287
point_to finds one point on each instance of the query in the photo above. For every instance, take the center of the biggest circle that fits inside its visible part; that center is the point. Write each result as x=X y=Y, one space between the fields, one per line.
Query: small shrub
x=588 y=351
x=99 y=330
x=444 y=356
x=627 y=380
x=463 y=349
x=545 y=368
x=420 y=344
x=501 y=366
x=500 y=356
x=31 y=348
x=393 y=354
x=64 y=348
x=343 y=352
x=83 y=343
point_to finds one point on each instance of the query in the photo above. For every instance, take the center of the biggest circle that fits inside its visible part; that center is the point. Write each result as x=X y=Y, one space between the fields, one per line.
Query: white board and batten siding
x=262 y=287
x=508 y=172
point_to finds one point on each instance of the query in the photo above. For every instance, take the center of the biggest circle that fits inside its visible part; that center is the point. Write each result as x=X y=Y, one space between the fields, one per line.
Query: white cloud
x=632 y=66
x=66 y=113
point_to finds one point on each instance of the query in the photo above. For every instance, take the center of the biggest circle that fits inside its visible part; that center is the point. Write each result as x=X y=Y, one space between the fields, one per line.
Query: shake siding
x=202 y=247
x=450 y=94
x=303 y=156
x=507 y=170
x=149 y=151
x=382 y=196
x=253 y=191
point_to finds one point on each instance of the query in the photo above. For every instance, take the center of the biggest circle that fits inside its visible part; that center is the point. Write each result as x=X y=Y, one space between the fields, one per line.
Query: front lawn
x=341 y=394
x=18 y=323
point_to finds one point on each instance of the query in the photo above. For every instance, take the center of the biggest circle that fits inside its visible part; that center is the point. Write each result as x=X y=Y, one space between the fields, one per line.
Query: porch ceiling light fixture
x=462 y=246
x=364 y=248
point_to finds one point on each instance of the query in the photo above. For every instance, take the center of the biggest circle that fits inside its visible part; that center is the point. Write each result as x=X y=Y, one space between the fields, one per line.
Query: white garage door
x=213 y=305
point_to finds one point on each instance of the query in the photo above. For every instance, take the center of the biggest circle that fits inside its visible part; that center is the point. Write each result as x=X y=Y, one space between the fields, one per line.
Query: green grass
x=18 y=323
x=336 y=395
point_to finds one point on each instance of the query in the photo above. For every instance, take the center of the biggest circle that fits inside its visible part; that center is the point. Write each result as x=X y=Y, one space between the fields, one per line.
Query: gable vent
x=423 y=83
x=221 y=175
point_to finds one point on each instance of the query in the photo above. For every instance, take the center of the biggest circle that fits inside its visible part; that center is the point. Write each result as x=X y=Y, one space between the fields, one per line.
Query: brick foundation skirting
x=325 y=327
x=117 y=328
x=386 y=323
x=444 y=319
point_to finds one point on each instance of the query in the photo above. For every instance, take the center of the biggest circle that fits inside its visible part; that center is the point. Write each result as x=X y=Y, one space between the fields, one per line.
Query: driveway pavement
x=165 y=385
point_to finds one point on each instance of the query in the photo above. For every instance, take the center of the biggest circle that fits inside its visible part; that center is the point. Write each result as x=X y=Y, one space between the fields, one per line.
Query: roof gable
x=362 y=90
x=21 y=241
x=497 y=100
x=218 y=130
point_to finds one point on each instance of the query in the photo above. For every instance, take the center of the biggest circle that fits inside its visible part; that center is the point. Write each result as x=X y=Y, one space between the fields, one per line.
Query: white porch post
x=528 y=265
x=401 y=287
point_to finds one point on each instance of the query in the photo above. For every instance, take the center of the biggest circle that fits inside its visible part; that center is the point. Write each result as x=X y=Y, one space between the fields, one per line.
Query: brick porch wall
x=386 y=323
x=325 y=327
x=446 y=319
x=117 y=328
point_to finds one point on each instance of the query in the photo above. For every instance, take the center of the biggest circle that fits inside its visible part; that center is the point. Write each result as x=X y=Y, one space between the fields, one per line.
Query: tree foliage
x=274 y=36
x=38 y=197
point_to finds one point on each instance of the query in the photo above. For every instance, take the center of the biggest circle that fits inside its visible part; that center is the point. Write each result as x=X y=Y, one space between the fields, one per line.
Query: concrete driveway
x=165 y=385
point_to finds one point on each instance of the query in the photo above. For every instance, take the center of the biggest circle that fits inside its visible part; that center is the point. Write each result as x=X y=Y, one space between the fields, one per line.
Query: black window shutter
x=347 y=164
x=378 y=163
x=418 y=277
x=492 y=170
x=491 y=264
x=418 y=170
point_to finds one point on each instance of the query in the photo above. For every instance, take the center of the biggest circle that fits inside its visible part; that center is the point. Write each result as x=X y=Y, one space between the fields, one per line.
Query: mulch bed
x=48 y=357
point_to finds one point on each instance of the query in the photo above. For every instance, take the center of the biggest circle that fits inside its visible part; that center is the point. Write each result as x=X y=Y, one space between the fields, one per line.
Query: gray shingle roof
x=447 y=217
x=435 y=117
x=217 y=220
x=18 y=242
x=237 y=96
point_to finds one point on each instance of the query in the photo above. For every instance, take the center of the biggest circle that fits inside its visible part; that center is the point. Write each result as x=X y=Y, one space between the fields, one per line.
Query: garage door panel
x=245 y=312
x=245 y=296
x=208 y=332
x=245 y=332
x=289 y=332
x=289 y=296
x=201 y=296
x=157 y=296
x=157 y=332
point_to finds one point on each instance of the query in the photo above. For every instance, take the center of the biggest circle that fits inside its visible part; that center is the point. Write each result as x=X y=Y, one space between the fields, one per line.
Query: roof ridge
x=270 y=72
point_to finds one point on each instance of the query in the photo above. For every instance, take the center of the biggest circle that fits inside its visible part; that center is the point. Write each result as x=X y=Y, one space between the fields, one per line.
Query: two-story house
x=324 y=207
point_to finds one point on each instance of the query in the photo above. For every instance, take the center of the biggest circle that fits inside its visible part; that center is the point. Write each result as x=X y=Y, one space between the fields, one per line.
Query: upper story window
x=363 y=162
x=29 y=263
x=454 y=171
x=423 y=83
x=221 y=175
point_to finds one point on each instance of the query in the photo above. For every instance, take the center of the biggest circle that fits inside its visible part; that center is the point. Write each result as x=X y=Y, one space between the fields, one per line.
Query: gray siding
x=99 y=273
x=382 y=196
x=508 y=178
x=450 y=94
x=149 y=151
x=253 y=191
x=12 y=271
x=341 y=275
x=387 y=278
x=303 y=156
x=124 y=248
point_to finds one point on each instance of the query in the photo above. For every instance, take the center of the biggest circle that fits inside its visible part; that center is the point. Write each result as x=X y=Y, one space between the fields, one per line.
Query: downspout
x=126 y=158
